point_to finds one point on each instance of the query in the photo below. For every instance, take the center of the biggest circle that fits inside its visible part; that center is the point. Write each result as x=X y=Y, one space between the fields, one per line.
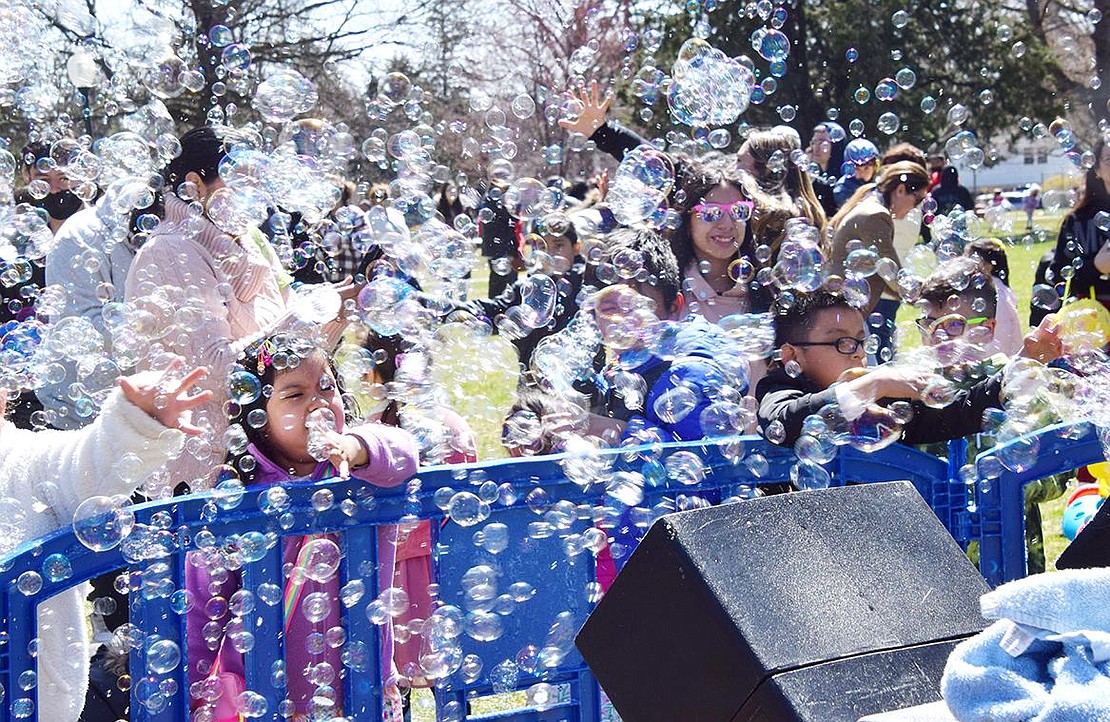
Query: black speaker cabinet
x=821 y=606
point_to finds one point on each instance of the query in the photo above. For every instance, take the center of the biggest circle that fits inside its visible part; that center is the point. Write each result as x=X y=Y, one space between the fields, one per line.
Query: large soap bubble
x=640 y=185
x=102 y=522
x=283 y=95
x=708 y=87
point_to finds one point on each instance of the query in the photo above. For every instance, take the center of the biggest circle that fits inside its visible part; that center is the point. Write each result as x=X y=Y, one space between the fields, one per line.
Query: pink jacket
x=208 y=296
x=393 y=457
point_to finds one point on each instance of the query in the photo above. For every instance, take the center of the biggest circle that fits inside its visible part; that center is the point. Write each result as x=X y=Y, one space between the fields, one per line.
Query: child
x=963 y=320
x=820 y=337
x=1007 y=329
x=49 y=474
x=295 y=384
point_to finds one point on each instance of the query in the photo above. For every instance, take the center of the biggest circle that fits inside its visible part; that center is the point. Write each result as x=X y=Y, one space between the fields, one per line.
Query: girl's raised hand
x=170 y=405
x=593 y=112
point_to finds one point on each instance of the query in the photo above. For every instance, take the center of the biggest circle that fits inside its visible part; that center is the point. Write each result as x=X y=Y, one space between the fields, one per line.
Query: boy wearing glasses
x=821 y=361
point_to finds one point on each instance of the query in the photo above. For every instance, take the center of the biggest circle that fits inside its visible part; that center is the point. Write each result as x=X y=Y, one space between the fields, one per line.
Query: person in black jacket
x=568 y=271
x=949 y=193
x=820 y=338
x=499 y=241
x=1083 y=245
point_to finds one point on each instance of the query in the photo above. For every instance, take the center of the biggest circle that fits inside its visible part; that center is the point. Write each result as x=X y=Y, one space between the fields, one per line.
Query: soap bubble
x=237 y=209
x=809 y=476
x=57 y=568
x=886 y=90
x=102 y=522
x=466 y=509
x=29 y=583
x=321 y=424
x=888 y=123
x=523 y=106
x=163 y=656
x=708 y=88
x=163 y=76
x=251 y=704
x=322 y=561
x=528 y=199
x=394 y=89
x=905 y=78
x=675 y=404
x=685 y=467
x=283 y=95
x=771 y=44
x=640 y=185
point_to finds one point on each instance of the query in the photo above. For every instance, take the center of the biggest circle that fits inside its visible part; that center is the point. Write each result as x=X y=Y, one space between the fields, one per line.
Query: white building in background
x=1029 y=161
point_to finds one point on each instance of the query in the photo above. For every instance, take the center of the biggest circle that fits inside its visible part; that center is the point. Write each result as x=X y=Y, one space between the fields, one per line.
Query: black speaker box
x=820 y=606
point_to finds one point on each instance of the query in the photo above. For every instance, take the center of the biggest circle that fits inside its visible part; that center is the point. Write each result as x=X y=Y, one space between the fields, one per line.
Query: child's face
x=817 y=354
x=716 y=232
x=955 y=322
x=297 y=393
x=562 y=251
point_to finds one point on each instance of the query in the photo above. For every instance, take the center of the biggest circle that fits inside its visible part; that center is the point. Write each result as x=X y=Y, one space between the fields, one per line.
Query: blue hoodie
x=697 y=344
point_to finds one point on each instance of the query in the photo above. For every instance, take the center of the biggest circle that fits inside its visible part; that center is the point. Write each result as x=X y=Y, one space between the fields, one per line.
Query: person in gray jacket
x=85 y=273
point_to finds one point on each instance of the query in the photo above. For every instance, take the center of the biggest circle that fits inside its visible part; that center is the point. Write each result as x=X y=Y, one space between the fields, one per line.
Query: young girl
x=48 y=474
x=723 y=223
x=445 y=438
x=296 y=386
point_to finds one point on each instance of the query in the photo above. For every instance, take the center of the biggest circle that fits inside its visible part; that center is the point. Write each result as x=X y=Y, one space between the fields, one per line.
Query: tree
x=841 y=51
x=1075 y=31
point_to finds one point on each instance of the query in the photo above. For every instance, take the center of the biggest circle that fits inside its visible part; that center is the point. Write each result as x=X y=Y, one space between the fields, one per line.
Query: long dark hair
x=1090 y=193
x=202 y=150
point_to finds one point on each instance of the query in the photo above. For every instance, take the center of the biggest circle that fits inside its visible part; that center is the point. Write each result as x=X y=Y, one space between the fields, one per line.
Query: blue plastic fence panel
x=545 y=515
x=998 y=520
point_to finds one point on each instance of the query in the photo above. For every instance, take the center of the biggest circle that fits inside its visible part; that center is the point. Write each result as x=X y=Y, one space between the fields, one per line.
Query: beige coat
x=870 y=222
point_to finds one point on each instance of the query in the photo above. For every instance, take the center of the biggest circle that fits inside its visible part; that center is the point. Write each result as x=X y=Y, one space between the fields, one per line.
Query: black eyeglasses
x=845 y=344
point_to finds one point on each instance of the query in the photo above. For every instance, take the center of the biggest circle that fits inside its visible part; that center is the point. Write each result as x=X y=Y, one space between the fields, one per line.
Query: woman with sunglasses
x=877 y=216
x=726 y=226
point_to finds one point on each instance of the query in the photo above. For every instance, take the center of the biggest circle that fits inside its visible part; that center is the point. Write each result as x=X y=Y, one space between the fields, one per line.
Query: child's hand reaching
x=593 y=112
x=892 y=381
x=170 y=405
x=1043 y=343
x=344 y=452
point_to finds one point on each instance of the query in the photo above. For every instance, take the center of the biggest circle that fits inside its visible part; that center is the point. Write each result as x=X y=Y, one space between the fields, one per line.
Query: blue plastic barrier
x=997 y=519
x=545 y=513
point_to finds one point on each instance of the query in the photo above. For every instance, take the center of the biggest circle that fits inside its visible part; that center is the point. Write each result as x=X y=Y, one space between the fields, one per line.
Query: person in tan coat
x=875 y=218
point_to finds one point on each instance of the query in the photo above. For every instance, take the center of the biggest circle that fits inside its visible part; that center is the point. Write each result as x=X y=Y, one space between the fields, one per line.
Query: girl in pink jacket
x=285 y=396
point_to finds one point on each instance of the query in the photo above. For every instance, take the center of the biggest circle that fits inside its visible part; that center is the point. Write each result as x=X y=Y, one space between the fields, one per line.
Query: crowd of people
x=295 y=343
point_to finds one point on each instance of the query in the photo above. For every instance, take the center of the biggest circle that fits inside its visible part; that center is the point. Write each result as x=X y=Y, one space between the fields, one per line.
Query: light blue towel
x=1044 y=660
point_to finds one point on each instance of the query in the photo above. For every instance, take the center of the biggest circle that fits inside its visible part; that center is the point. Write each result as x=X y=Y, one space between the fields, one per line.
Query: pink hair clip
x=265 y=355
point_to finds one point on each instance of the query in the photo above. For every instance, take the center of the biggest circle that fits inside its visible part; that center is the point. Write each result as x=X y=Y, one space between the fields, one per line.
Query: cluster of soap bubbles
x=708 y=88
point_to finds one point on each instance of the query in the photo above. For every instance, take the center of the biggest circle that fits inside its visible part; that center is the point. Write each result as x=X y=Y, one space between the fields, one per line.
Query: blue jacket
x=696 y=346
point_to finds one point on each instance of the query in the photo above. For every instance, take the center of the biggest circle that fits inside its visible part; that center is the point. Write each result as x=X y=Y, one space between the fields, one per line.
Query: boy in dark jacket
x=820 y=337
